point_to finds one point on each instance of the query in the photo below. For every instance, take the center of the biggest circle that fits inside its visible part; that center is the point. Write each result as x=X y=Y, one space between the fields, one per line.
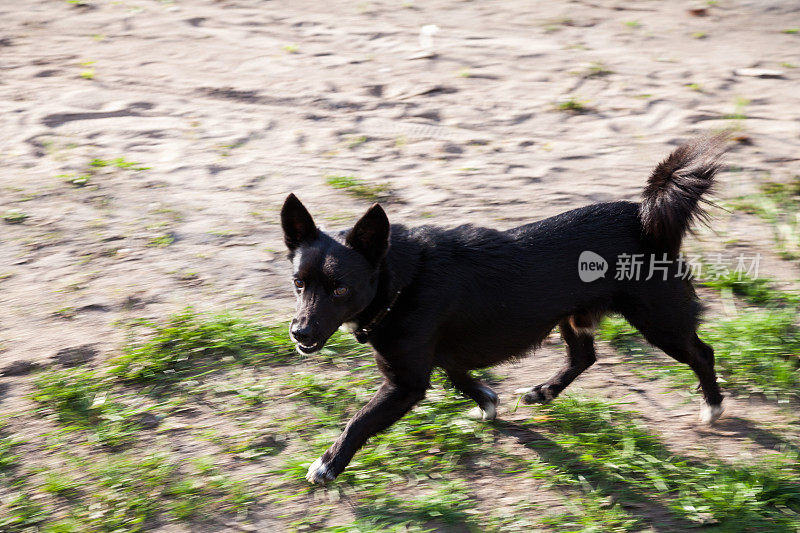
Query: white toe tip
x=476 y=413
x=318 y=472
x=479 y=414
x=710 y=413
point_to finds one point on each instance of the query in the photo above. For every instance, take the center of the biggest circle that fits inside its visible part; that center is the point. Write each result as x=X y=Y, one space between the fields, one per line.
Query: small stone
x=452 y=148
x=425 y=54
x=759 y=73
x=374 y=90
x=429 y=114
x=75 y=355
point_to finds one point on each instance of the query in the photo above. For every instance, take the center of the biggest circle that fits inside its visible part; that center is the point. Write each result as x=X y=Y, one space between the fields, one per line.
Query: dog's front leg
x=389 y=404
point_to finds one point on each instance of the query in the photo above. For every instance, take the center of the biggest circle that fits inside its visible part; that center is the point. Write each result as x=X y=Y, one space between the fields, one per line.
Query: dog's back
x=491 y=295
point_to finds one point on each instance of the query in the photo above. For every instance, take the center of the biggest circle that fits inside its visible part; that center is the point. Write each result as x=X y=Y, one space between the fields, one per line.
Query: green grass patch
x=572 y=105
x=594 y=442
x=84 y=400
x=418 y=475
x=189 y=344
x=119 y=162
x=436 y=436
x=129 y=492
x=597 y=69
x=355 y=141
x=757 y=291
x=15 y=216
x=75 y=179
x=161 y=241
x=359 y=188
x=448 y=504
x=434 y=448
x=739 y=112
x=757 y=351
x=779 y=204
x=617 y=331
x=21 y=513
x=8 y=458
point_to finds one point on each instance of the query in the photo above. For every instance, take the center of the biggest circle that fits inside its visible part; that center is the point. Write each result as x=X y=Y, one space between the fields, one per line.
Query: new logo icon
x=591 y=266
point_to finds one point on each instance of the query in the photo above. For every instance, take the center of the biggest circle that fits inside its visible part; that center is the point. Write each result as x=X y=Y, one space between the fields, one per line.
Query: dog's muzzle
x=302 y=348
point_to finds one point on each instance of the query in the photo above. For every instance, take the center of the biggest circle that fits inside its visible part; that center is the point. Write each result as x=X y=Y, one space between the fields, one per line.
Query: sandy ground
x=232 y=104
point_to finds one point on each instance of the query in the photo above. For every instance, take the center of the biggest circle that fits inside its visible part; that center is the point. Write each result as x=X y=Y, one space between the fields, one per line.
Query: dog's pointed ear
x=298 y=226
x=370 y=235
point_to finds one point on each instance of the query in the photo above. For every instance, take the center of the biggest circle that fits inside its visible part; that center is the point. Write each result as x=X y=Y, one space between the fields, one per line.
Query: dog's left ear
x=298 y=226
x=370 y=235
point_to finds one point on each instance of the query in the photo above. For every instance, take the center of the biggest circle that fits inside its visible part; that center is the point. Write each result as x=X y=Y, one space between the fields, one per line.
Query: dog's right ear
x=298 y=226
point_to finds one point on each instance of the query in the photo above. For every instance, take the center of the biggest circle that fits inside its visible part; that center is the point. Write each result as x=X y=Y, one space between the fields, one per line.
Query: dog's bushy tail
x=671 y=199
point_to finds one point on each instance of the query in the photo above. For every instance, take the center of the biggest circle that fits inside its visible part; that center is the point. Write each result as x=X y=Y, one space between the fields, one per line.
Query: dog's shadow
x=640 y=505
x=743 y=428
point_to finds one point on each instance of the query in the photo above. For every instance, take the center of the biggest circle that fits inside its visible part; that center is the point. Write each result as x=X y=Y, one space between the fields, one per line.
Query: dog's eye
x=340 y=291
x=299 y=283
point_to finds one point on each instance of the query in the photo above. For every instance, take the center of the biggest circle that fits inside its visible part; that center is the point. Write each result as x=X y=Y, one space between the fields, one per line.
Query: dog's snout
x=302 y=333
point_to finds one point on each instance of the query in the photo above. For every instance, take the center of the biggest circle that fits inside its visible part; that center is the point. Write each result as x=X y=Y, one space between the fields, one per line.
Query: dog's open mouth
x=317 y=346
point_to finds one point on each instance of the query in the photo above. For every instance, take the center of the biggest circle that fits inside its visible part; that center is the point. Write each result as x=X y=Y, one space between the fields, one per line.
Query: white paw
x=490 y=413
x=318 y=473
x=537 y=394
x=709 y=413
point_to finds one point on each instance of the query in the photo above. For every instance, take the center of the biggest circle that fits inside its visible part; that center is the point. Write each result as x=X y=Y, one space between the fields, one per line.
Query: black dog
x=471 y=297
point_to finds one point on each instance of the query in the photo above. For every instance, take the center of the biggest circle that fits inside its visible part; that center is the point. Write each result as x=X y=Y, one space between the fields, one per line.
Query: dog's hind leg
x=669 y=321
x=690 y=350
x=485 y=397
x=578 y=334
x=708 y=381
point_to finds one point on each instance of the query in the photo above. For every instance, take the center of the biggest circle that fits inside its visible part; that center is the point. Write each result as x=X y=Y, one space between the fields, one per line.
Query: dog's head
x=334 y=275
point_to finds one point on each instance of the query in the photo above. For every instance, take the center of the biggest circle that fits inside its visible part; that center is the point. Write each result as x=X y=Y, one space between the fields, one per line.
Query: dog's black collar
x=362 y=334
